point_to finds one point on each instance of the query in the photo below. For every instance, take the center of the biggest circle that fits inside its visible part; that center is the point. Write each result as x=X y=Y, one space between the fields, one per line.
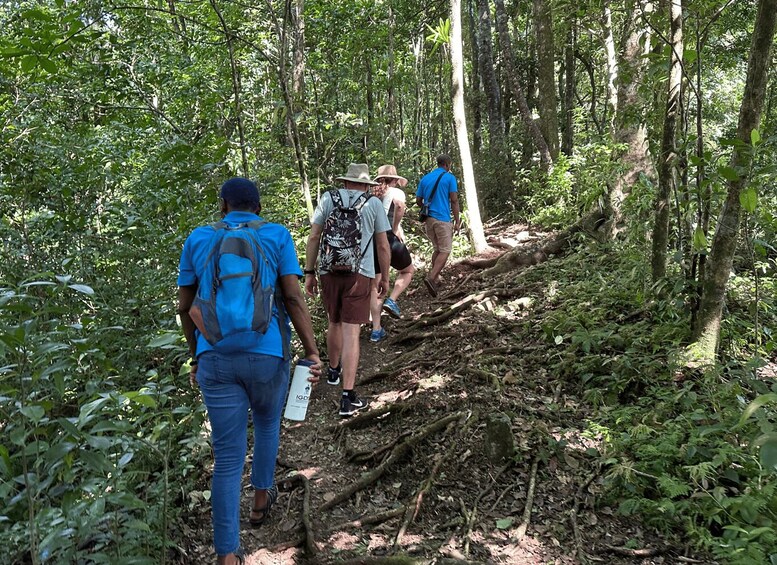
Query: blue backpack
x=231 y=298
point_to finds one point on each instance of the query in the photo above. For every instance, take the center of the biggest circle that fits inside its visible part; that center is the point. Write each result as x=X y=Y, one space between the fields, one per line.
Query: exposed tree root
x=376 y=454
x=368 y=418
x=418 y=363
x=628 y=552
x=397 y=453
x=526 y=518
x=309 y=537
x=485 y=376
x=518 y=257
x=405 y=560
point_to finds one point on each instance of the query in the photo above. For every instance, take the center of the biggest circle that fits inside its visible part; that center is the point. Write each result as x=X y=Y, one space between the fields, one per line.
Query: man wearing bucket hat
x=389 y=190
x=345 y=224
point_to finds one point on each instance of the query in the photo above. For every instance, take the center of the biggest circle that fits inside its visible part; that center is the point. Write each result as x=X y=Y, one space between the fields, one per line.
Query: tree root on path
x=368 y=418
x=397 y=453
x=526 y=518
x=417 y=363
x=376 y=454
x=309 y=537
x=628 y=552
x=588 y=224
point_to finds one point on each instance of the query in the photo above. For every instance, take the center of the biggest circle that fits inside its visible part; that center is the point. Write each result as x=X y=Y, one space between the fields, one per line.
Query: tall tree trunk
x=512 y=70
x=291 y=121
x=706 y=334
x=546 y=75
x=567 y=140
x=474 y=91
x=457 y=64
x=668 y=155
x=298 y=72
x=235 y=87
x=612 y=68
x=486 y=63
x=391 y=103
x=630 y=127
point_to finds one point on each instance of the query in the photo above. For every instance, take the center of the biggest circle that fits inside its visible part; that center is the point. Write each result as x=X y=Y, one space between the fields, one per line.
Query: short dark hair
x=444 y=160
x=240 y=194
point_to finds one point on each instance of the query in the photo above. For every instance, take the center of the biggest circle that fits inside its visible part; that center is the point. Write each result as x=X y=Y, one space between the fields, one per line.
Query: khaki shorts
x=440 y=234
x=346 y=298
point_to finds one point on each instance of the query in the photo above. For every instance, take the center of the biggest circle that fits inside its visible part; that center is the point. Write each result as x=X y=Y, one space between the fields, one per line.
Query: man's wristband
x=309 y=271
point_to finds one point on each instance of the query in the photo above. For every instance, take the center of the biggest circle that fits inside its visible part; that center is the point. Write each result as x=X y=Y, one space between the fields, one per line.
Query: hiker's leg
x=402 y=281
x=227 y=404
x=350 y=354
x=438 y=265
x=443 y=238
x=334 y=343
x=375 y=307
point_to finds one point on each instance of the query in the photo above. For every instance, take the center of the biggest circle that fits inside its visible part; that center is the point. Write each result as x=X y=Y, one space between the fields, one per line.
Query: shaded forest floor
x=428 y=487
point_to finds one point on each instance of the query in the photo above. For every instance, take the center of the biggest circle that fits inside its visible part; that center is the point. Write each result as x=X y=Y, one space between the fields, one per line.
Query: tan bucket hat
x=390 y=172
x=358 y=172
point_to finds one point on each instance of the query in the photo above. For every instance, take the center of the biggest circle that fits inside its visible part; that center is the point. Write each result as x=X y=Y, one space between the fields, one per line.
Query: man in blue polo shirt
x=246 y=370
x=440 y=190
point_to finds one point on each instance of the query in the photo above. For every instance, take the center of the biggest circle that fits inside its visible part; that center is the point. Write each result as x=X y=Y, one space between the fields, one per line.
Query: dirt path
x=426 y=487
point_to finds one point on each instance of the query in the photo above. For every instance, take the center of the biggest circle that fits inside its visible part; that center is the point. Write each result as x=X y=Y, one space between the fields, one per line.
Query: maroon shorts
x=347 y=298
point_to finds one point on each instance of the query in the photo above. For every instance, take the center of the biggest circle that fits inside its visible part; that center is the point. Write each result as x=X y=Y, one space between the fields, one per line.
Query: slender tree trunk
x=546 y=75
x=668 y=151
x=507 y=52
x=486 y=63
x=706 y=335
x=235 y=87
x=630 y=127
x=474 y=91
x=391 y=103
x=457 y=64
x=298 y=73
x=612 y=68
x=291 y=120
x=370 y=108
x=567 y=141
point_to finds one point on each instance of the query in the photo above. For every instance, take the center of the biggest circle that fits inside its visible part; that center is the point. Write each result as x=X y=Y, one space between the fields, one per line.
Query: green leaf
x=755 y=137
x=699 y=240
x=749 y=200
x=29 y=63
x=34 y=412
x=48 y=65
x=164 y=340
x=756 y=404
x=768 y=454
x=728 y=173
x=504 y=523
x=82 y=288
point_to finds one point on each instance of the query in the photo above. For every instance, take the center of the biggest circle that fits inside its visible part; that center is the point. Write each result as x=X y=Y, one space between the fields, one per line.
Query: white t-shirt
x=394 y=193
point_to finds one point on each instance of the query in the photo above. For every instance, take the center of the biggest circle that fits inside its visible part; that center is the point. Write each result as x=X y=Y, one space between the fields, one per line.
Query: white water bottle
x=299 y=392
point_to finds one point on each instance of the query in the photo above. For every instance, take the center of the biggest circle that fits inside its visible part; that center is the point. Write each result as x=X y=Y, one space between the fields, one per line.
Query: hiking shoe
x=333 y=376
x=392 y=308
x=378 y=335
x=350 y=406
x=431 y=287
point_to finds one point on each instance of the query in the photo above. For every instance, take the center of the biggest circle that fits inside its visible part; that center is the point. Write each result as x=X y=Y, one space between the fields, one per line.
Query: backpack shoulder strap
x=436 y=184
x=337 y=199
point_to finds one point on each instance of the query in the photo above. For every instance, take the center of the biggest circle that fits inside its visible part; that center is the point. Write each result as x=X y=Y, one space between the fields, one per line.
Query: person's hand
x=315 y=368
x=311 y=285
x=193 y=375
x=457 y=226
x=383 y=287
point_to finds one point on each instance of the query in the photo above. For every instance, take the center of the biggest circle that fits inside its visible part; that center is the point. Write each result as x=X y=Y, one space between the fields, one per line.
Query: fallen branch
x=367 y=418
x=526 y=519
x=396 y=454
x=418 y=363
x=376 y=454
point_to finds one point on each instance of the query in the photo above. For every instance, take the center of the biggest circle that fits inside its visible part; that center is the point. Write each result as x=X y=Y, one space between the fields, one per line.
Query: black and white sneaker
x=333 y=376
x=350 y=406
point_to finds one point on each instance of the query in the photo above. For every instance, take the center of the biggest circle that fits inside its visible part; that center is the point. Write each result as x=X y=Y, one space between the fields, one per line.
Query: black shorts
x=400 y=255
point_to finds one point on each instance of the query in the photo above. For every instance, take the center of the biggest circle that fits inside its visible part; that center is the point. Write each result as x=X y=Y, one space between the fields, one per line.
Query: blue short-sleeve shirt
x=440 y=206
x=277 y=245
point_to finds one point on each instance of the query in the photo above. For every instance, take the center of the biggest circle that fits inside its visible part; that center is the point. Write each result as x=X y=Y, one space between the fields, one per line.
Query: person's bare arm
x=186 y=296
x=384 y=260
x=399 y=212
x=300 y=319
x=311 y=255
x=454 y=198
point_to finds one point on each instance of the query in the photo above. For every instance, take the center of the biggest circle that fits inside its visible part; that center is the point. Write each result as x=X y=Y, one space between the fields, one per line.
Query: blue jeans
x=230 y=384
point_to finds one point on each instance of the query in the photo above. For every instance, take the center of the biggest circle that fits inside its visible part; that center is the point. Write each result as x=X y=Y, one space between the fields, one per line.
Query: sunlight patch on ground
x=433 y=382
x=343 y=541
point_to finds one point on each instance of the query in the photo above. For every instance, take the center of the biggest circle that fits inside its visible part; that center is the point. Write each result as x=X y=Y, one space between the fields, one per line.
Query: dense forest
x=634 y=140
